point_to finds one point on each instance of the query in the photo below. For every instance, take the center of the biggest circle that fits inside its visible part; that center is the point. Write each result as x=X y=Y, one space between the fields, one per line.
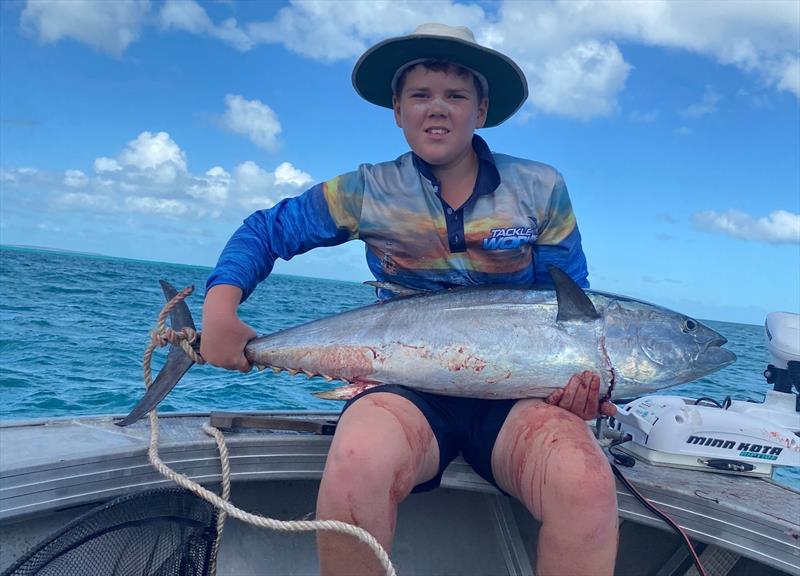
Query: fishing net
x=161 y=532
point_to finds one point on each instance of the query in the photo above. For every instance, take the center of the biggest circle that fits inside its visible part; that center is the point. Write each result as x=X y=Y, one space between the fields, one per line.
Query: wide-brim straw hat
x=375 y=70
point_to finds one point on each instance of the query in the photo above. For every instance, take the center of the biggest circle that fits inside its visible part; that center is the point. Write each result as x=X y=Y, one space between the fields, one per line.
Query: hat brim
x=373 y=73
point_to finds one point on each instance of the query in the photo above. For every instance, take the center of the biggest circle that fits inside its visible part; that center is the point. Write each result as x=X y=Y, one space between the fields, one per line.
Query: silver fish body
x=488 y=342
x=480 y=342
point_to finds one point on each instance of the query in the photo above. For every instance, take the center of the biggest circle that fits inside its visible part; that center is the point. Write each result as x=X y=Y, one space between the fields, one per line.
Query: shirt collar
x=488 y=176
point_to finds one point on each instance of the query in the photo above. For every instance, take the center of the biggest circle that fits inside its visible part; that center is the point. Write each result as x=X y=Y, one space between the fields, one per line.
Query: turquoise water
x=73 y=329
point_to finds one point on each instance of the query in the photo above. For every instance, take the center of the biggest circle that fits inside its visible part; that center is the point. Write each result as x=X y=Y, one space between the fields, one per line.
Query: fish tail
x=177 y=364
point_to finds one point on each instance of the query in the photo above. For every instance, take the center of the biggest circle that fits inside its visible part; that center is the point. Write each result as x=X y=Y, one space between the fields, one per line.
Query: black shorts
x=466 y=425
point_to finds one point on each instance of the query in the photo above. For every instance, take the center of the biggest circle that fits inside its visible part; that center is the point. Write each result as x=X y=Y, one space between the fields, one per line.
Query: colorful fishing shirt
x=518 y=220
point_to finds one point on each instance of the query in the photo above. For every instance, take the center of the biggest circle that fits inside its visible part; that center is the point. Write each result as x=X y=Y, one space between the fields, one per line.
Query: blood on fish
x=456 y=360
x=342 y=362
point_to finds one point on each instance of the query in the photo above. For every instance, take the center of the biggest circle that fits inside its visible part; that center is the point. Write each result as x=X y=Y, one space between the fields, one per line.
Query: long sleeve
x=559 y=241
x=325 y=215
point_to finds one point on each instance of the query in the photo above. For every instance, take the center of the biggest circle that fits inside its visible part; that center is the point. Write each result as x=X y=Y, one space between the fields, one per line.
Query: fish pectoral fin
x=348 y=391
x=397 y=289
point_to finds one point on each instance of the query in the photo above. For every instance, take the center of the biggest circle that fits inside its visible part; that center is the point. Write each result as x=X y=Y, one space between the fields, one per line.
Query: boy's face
x=439 y=112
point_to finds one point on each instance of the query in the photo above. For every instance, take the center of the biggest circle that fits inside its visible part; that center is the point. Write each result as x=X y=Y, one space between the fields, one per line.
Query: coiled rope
x=161 y=336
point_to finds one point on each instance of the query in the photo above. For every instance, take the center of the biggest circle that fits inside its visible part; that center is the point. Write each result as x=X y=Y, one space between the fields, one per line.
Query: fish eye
x=689 y=325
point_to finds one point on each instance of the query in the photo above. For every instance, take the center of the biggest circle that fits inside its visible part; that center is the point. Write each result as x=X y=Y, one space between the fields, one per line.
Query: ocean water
x=73 y=328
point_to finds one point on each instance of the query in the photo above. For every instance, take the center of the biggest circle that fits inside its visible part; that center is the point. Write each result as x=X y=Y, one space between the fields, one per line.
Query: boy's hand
x=224 y=335
x=581 y=396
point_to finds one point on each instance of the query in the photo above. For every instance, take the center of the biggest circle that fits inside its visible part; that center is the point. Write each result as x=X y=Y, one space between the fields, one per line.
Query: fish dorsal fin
x=396 y=289
x=573 y=303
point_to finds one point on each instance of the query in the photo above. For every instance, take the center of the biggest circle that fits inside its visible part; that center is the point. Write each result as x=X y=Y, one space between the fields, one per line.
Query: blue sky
x=149 y=130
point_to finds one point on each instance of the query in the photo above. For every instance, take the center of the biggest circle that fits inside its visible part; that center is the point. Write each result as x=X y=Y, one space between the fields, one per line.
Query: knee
x=357 y=463
x=586 y=488
x=382 y=448
x=364 y=469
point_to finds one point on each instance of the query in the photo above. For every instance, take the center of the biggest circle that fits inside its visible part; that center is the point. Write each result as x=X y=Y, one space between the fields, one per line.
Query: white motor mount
x=674 y=431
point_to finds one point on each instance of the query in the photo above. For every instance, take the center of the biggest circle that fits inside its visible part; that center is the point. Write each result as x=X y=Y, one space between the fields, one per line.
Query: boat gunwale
x=258 y=455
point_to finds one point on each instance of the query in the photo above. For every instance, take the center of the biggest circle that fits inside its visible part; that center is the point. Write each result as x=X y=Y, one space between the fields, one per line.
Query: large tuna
x=485 y=342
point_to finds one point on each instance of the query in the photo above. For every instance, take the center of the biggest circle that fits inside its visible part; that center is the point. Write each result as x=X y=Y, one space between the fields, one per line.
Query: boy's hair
x=446 y=66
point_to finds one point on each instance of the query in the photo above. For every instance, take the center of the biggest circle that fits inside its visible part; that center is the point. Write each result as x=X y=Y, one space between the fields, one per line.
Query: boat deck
x=62 y=466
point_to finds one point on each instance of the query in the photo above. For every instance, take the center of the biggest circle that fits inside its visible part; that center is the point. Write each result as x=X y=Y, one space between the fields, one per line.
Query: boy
x=448 y=213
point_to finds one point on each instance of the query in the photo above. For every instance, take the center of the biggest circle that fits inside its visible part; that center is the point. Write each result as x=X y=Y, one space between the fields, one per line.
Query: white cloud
x=185 y=15
x=706 y=106
x=150 y=150
x=150 y=176
x=110 y=26
x=250 y=177
x=329 y=31
x=189 y=16
x=150 y=205
x=740 y=33
x=780 y=227
x=75 y=179
x=285 y=173
x=106 y=165
x=256 y=188
x=570 y=50
x=252 y=118
x=582 y=82
x=96 y=202
x=252 y=186
x=786 y=75
x=155 y=156
x=16 y=175
x=212 y=187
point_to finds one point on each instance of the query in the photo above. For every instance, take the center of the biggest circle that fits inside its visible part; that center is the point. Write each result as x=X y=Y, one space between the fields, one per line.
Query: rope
x=161 y=336
x=226 y=490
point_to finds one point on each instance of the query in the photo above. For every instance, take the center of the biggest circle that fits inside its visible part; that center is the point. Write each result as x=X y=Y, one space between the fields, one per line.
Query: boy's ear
x=483 y=110
x=396 y=108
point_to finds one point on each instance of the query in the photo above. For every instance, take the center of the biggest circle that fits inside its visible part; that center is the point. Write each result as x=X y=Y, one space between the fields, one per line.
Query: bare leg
x=383 y=447
x=546 y=457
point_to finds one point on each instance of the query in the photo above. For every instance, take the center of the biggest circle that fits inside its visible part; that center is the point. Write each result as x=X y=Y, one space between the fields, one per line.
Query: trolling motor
x=782 y=330
x=737 y=437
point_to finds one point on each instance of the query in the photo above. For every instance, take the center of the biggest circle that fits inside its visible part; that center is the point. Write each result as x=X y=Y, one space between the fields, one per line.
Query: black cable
x=674 y=525
x=707 y=399
x=619 y=457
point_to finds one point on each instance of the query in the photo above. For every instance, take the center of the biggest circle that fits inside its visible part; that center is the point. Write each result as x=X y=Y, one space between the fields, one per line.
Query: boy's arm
x=224 y=334
x=291 y=227
x=324 y=215
x=559 y=241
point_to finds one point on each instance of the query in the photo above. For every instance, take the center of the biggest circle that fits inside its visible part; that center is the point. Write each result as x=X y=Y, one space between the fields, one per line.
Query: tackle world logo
x=511 y=238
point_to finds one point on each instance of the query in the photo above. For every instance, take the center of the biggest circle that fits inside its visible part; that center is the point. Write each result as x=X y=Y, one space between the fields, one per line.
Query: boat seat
x=159 y=532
